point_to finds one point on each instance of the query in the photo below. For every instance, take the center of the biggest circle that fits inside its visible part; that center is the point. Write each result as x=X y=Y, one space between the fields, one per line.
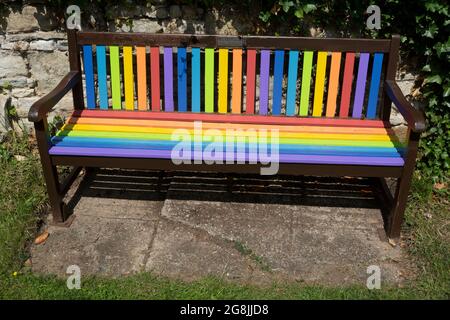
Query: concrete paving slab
x=99 y=246
x=243 y=229
x=181 y=252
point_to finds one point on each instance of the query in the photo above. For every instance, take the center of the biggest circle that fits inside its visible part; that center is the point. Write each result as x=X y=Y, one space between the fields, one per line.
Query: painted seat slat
x=233 y=118
x=224 y=125
x=284 y=158
x=70 y=141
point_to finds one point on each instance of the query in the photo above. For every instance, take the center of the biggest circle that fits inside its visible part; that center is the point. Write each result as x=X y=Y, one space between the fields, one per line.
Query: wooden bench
x=328 y=99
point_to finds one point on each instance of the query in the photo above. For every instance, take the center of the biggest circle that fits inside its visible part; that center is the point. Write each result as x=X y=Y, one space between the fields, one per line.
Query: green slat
x=209 y=80
x=115 y=77
x=306 y=82
x=166 y=136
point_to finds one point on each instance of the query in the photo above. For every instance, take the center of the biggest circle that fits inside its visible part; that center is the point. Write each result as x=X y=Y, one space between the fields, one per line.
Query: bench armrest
x=414 y=117
x=40 y=108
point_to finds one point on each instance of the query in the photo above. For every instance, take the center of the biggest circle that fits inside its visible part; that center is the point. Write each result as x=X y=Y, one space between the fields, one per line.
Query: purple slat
x=283 y=158
x=360 y=85
x=264 y=82
x=168 y=79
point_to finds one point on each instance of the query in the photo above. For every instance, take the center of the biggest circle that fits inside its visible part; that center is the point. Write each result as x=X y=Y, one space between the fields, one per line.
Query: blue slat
x=374 y=85
x=182 y=73
x=195 y=90
x=67 y=141
x=101 y=73
x=89 y=74
x=292 y=82
x=277 y=81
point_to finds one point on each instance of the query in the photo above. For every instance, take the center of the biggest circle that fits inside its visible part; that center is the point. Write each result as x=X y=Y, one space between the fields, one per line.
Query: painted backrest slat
x=236 y=96
x=102 y=77
x=209 y=80
x=320 y=83
x=265 y=81
x=89 y=73
x=154 y=71
x=306 y=82
x=277 y=82
x=360 y=85
x=333 y=84
x=223 y=81
x=374 y=85
x=195 y=90
x=251 y=81
x=141 y=63
x=168 y=79
x=347 y=84
x=128 y=77
x=115 y=77
x=292 y=83
x=182 y=79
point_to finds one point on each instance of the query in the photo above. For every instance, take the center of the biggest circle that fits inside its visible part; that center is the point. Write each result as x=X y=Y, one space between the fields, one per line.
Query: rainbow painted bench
x=328 y=100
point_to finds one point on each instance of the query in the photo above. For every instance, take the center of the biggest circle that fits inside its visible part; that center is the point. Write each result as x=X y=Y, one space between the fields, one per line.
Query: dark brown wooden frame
x=72 y=82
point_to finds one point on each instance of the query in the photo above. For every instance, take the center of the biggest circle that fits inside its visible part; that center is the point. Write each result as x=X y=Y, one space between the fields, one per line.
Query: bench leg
x=54 y=194
x=55 y=190
x=395 y=218
x=399 y=206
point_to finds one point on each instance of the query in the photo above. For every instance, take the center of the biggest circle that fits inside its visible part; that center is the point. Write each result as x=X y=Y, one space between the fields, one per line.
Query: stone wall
x=33 y=44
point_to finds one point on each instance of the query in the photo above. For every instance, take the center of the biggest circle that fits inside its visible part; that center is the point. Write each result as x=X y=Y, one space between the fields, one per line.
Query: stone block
x=48 y=69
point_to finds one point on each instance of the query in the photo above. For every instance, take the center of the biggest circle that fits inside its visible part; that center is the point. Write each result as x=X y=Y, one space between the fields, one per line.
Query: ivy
x=424 y=26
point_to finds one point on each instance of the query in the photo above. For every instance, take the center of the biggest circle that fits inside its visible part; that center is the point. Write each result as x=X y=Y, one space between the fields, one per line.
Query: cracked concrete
x=245 y=229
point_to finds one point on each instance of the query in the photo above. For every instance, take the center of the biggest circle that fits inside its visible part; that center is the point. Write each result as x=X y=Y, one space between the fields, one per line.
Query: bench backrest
x=288 y=76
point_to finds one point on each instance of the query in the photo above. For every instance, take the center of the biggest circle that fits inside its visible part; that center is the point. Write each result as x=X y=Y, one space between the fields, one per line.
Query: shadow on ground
x=242 y=228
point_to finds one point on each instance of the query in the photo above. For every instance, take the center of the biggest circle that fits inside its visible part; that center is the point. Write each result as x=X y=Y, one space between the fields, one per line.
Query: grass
x=22 y=194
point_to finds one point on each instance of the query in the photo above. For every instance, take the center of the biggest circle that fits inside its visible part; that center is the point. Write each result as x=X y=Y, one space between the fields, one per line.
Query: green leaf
x=433 y=79
x=446 y=91
x=299 y=12
x=264 y=16
x=309 y=8
x=426 y=68
x=432 y=30
x=286 y=5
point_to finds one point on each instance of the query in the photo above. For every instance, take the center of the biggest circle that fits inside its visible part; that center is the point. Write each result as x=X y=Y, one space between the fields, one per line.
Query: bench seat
x=106 y=133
